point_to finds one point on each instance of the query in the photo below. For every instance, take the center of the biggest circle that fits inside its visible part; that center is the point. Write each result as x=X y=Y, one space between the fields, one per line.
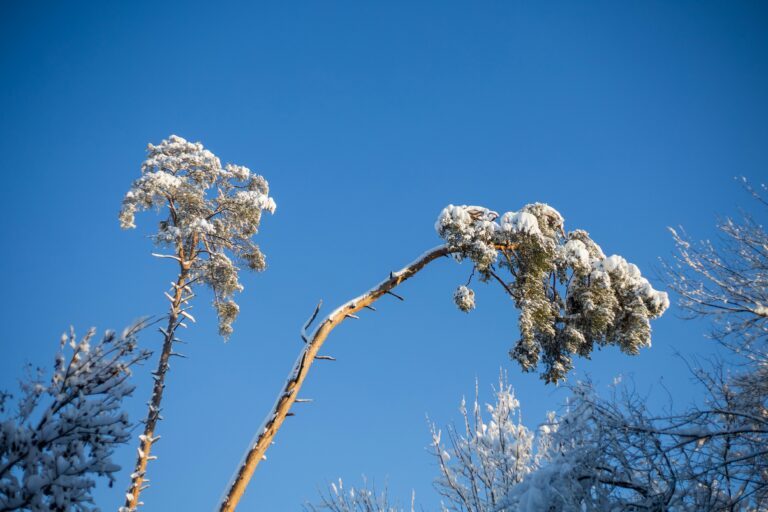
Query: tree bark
x=153 y=414
x=307 y=356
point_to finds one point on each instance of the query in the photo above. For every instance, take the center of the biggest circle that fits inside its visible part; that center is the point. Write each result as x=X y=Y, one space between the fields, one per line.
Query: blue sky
x=367 y=119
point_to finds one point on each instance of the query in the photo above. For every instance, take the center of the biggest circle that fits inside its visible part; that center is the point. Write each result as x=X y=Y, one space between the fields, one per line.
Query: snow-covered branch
x=357 y=499
x=726 y=280
x=570 y=295
x=64 y=429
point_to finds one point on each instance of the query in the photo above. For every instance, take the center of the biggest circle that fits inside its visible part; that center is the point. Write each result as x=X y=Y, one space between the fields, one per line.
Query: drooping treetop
x=213 y=213
x=570 y=295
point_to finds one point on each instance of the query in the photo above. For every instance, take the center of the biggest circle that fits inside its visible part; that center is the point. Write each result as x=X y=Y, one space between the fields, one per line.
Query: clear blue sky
x=367 y=119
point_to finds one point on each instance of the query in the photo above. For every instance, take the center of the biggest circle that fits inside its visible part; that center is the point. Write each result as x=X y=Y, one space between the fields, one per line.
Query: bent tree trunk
x=289 y=394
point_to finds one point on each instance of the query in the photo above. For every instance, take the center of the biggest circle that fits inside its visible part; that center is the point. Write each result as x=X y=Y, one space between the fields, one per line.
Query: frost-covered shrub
x=587 y=463
x=213 y=212
x=570 y=295
x=482 y=463
x=357 y=499
x=613 y=454
x=727 y=281
x=497 y=464
x=62 y=432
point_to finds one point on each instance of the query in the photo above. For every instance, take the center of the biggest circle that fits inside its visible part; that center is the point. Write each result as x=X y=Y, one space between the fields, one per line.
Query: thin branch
x=501 y=282
x=168 y=256
x=309 y=322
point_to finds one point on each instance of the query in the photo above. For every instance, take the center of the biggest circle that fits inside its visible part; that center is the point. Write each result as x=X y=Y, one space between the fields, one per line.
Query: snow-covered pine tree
x=570 y=296
x=212 y=213
x=62 y=431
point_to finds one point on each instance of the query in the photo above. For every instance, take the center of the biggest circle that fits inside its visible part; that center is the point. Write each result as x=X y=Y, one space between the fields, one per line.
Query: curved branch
x=288 y=395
